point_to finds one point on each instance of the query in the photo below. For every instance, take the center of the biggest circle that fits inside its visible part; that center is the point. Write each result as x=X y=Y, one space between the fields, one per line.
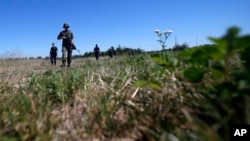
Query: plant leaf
x=194 y=74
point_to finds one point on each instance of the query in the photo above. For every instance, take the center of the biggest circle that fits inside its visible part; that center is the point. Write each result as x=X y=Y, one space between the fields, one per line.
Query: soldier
x=97 y=51
x=110 y=52
x=67 y=41
x=53 y=54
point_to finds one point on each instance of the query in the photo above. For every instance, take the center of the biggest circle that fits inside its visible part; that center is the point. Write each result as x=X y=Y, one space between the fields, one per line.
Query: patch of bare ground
x=14 y=71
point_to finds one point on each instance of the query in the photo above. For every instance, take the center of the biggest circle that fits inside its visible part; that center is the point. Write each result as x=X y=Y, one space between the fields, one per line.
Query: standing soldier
x=53 y=54
x=97 y=52
x=67 y=40
x=110 y=51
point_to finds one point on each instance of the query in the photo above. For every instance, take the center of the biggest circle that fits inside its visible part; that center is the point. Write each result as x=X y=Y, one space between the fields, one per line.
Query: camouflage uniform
x=67 y=37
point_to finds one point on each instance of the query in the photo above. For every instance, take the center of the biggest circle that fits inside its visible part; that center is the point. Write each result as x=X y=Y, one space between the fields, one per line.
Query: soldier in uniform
x=53 y=54
x=97 y=52
x=67 y=43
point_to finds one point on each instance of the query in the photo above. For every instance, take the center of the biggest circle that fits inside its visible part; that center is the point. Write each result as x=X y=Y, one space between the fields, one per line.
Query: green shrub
x=211 y=88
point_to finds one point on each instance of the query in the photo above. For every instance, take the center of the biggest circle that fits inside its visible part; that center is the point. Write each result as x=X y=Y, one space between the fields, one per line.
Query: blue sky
x=30 y=26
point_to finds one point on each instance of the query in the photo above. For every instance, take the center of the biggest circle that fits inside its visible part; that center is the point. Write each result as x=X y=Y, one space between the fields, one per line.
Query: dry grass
x=123 y=99
x=14 y=71
x=75 y=120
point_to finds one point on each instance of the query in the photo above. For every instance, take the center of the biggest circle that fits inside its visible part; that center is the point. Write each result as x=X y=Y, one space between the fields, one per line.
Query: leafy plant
x=211 y=87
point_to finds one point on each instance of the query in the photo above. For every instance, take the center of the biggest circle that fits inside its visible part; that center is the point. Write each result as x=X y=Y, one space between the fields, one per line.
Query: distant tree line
x=178 y=48
x=119 y=50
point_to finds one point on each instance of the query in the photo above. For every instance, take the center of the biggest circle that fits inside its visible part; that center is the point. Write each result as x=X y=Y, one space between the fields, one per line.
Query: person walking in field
x=110 y=52
x=53 y=54
x=67 y=43
x=97 y=52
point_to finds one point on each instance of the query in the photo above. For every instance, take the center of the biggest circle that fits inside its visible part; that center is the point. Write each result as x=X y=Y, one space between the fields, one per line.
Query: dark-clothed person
x=67 y=40
x=97 y=52
x=110 y=51
x=53 y=54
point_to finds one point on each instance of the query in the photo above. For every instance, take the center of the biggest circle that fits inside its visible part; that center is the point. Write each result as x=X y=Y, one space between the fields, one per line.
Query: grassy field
x=85 y=101
x=191 y=95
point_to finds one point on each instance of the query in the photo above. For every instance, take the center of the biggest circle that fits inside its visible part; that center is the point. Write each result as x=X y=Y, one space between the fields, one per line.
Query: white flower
x=157 y=31
x=167 y=32
x=170 y=31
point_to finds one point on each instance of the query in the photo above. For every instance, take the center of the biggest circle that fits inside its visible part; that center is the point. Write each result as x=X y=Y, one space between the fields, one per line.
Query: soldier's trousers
x=96 y=55
x=66 y=54
x=53 y=59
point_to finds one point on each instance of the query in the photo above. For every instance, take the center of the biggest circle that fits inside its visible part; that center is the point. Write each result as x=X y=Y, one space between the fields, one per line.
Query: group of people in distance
x=68 y=46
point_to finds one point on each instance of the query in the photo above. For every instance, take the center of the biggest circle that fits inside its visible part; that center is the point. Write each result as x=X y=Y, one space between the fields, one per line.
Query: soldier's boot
x=63 y=64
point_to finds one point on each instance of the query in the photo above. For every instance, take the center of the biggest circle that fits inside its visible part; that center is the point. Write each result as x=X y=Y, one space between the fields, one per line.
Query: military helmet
x=65 y=25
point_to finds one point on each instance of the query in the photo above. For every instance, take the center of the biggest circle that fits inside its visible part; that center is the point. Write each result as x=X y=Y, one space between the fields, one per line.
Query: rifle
x=73 y=46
